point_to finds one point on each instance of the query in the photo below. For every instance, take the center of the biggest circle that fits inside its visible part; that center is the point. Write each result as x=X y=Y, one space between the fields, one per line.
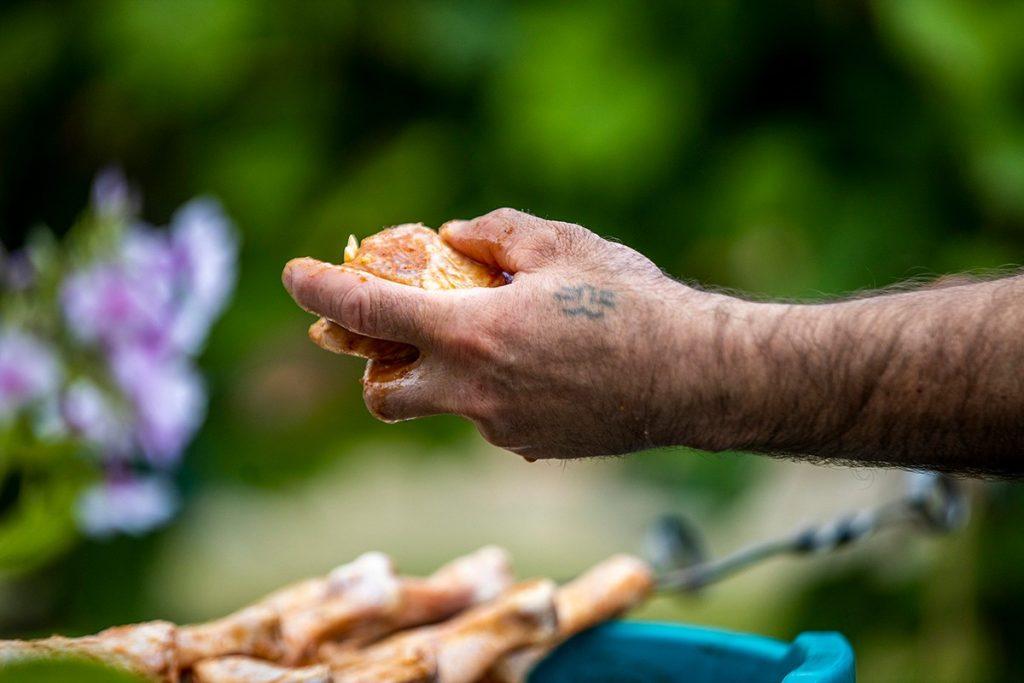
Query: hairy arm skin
x=932 y=378
x=592 y=350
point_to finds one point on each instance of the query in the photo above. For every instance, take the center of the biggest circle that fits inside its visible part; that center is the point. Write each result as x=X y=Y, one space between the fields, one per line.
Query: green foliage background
x=796 y=149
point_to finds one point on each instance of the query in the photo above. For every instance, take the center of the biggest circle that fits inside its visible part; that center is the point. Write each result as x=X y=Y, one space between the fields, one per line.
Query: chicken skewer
x=456 y=651
x=253 y=631
x=147 y=650
x=364 y=599
x=603 y=592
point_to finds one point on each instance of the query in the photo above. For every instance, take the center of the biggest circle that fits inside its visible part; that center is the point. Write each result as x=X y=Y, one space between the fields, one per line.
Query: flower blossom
x=205 y=250
x=112 y=196
x=126 y=504
x=109 y=304
x=92 y=415
x=168 y=399
x=29 y=371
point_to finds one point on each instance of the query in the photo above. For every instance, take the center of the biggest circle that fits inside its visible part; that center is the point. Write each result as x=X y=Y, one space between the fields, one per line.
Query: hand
x=580 y=355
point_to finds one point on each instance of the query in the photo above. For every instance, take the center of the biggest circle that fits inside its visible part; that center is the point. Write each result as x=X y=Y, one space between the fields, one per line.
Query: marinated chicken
x=147 y=650
x=363 y=622
x=411 y=255
x=253 y=631
x=366 y=600
x=460 y=650
x=602 y=593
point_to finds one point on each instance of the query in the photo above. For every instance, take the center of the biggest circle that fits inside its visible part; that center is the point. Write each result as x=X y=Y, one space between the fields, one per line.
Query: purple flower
x=205 y=249
x=106 y=303
x=126 y=504
x=29 y=371
x=168 y=399
x=161 y=290
x=112 y=197
x=93 y=415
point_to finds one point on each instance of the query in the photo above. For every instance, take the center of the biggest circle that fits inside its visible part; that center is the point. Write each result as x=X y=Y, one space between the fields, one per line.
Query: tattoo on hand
x=585 y=300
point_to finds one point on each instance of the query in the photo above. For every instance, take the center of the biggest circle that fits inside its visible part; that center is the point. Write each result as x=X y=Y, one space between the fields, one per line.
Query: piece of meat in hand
x=413 y=255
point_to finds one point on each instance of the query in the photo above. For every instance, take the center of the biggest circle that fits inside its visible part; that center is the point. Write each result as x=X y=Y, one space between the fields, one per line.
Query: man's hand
x=591 y=350
x=575 y=357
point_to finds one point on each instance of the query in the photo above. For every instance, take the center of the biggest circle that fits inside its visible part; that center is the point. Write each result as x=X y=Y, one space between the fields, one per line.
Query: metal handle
x=934 y=503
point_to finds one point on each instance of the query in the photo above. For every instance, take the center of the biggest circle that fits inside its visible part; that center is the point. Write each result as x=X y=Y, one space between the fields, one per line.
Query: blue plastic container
x=666 y=653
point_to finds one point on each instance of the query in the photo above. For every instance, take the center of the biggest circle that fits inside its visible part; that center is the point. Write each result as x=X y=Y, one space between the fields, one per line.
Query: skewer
x=601 y=593
x=935 y=503
x=456 y=651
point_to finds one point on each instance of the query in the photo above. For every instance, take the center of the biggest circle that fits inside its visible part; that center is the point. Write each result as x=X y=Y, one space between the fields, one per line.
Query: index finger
x=366 y=304
x=513 y=240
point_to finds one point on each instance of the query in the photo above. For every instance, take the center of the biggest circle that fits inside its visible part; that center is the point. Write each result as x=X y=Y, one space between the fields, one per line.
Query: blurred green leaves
x=581 y=103
x=39 y=486
x=802 y=150
x=60 y=671
x=176 y=58
x=972 y=58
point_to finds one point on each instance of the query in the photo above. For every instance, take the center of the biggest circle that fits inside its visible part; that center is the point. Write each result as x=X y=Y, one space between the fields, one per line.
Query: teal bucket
x=665 y=653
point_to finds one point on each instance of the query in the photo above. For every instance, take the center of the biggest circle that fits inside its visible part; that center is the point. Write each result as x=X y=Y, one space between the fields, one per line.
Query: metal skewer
x=934 y=503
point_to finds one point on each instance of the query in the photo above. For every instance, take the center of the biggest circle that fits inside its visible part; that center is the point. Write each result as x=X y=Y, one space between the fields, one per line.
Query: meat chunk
x=605 y=591
x=250 y=670
x=253 y=631
x=462 y=649
x=148 y=650
x=365 y=600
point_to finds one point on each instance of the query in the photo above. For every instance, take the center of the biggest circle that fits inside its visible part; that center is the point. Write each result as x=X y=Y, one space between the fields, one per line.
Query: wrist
x=728 y=371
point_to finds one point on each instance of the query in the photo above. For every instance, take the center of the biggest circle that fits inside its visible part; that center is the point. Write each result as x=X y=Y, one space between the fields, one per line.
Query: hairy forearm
x=930 y=378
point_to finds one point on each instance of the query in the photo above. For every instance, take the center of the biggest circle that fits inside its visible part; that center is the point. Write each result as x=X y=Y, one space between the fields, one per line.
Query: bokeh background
x=799 y=150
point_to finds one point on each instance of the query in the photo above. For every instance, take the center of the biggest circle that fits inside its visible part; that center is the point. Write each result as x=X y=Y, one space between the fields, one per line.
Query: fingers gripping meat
x=408 y=254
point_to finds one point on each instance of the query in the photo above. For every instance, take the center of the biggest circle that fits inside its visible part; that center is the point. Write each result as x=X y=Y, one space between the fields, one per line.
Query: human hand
x=584 y=353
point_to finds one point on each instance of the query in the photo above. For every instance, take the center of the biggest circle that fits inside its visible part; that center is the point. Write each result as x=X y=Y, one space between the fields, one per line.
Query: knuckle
x=571 y=239
x=506 y=216
x=356 y=309
x=502 y=223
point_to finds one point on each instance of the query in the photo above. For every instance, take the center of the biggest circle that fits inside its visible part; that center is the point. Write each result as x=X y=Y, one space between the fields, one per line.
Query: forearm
x=930 y=378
